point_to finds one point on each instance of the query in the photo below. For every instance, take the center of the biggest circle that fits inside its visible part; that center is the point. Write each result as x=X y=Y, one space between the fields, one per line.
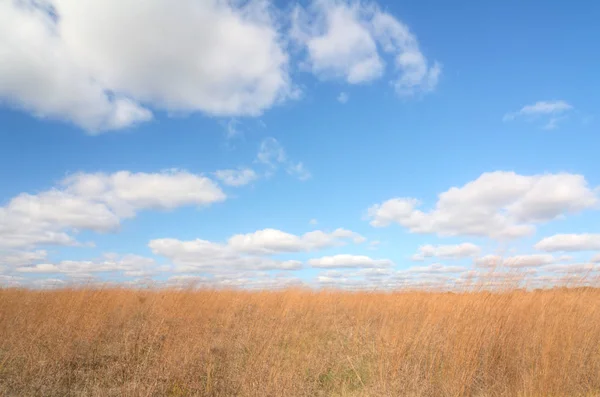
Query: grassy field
x=119 y=342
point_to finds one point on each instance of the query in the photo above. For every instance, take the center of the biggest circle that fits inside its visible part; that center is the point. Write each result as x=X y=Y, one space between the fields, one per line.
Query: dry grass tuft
x=119 y=342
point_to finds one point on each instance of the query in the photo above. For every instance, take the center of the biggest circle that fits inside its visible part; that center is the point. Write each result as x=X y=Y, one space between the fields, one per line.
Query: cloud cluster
x=97 y=202
x=101 y=65
x=497 y=204
x=130 y=265
x=107 y=65
x=347 y=40
x=252 y=251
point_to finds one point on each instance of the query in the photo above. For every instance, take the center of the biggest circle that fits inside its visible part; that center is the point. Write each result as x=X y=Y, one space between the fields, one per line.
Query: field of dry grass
x=118 y=342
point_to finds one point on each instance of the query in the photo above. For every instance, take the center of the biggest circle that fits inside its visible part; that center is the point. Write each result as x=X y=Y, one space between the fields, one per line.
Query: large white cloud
x=457 y=251
x=97 y=202
x=497 y=204
x=570 y=242
x=346 y=40
x=98 y=64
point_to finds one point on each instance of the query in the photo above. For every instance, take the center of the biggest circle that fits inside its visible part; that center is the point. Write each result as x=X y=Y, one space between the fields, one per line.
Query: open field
x=118 y=342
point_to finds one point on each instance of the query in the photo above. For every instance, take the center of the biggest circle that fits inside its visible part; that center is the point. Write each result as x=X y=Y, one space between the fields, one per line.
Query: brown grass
x=118 y=342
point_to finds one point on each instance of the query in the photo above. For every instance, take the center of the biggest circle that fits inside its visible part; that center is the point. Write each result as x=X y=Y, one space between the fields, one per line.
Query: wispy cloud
x=272 y=154
x=551 y=111
x=343 y=97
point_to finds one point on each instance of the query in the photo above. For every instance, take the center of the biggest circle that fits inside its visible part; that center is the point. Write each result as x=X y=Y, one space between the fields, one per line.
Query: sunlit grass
x=103 y=342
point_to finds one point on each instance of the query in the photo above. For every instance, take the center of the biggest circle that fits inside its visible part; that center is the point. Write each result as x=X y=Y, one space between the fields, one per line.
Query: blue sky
x=416 y=144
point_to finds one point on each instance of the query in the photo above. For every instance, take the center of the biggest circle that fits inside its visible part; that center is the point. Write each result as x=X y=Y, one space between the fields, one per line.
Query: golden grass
x=119 y=342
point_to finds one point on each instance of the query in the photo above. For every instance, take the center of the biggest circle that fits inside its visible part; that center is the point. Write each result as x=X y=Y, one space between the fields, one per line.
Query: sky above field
x=328 y=143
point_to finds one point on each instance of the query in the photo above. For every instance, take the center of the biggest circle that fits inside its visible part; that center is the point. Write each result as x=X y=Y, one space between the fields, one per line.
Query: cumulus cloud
x=248 y=251
x=97 y=202
x=457 y=251
x=551 y=111
x=239 y=177
x=270 y=241
x=347 y=40
x=102 y=65
x=201 y=256
x=497 y=204
x=272 y=154
x=570 y=243
x=21 y=258
x=348 y=261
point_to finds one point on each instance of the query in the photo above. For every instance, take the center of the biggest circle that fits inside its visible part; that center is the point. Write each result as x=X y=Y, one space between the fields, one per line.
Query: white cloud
x=343 y=40
x=596 y=258
x=343 y=97
x=338 y=41
x=201 y=255
x=21 y=258
x=533 y=260
x=108 y=263
x=463 y=250
x=270 y=241
x=569 y=242
x=415 y=72
x=97 y=202
x=497 y=204
x=348 y=261
x=97 y=64
x=273 y=155
x=239 y=177
x=313 y=222
x=39 y=268
x=127 y=192
x=247 y=280
x=552 y=111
